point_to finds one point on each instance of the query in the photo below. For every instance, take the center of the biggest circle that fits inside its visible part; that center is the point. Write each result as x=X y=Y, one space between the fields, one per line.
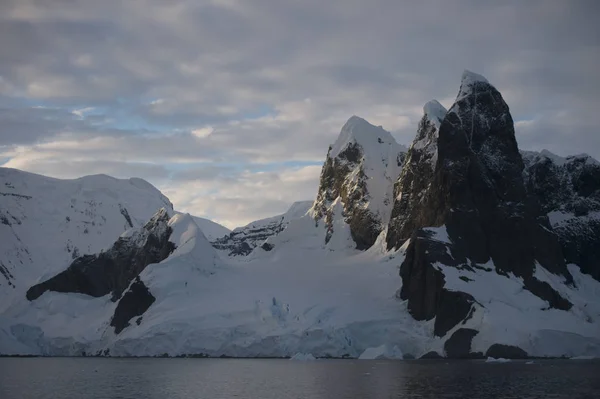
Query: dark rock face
x=112 y=271
x=431 y=355
x=478 y=195
x=568 y=190
x=458 y=346
x=415 y=179
x=423 y=285
x=136 y=300
x=498 y=351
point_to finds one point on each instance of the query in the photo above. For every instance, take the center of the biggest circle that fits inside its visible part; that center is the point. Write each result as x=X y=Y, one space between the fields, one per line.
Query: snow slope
x=45 y=223
x=211 y=230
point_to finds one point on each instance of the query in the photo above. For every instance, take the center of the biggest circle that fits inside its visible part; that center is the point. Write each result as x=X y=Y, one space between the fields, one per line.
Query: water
x=282 y=379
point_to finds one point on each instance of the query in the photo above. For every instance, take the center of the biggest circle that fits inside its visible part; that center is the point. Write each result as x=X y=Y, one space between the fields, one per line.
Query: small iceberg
x=498 y=360
x=381 y=352
x=303 y=357
x=583 y=358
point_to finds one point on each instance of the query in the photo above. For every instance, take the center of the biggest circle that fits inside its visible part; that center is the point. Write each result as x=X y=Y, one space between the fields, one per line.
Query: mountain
x=497 y=251
x=141 y=281
x=416 y=177
x=483 y=256
x=568 y=190
x=45 y=223
x=243 y=240
x=359 y=174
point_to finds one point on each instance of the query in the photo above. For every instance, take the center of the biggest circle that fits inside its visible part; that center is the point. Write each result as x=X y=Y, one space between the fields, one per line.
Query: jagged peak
x=162 y=215
x=359 y=131
x=434 y=112
x=469 y=82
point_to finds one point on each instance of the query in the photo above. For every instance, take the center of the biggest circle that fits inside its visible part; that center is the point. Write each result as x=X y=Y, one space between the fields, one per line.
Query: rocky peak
x=360 y=169
x=416 y=176
x=477 y=204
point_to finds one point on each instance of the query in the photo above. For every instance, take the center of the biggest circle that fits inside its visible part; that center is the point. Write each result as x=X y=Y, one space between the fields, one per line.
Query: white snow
x=303 y=357
x=52 y=221
x=211 y=230
x=497 y=360
x=468 y=81
x=435 y=112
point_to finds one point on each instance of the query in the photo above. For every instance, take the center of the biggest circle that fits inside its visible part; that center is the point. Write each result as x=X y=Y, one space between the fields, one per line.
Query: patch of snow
x=497 y=360
x=469 y=79
x=584 y=357
x=435 y=112
x=439 y=234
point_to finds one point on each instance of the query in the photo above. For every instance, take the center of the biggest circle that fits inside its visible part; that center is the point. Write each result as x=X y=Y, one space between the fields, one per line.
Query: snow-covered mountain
x=497 y=251
x=45 y=223
x=358 y=176
x=243 y=240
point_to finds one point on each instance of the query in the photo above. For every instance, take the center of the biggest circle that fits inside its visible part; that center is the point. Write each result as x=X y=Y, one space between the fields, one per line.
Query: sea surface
x=82 y=378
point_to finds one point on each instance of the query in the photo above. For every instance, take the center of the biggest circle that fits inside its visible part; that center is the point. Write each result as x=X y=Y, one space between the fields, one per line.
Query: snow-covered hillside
x=482 y=251
x=45 y=223
x=211 y=230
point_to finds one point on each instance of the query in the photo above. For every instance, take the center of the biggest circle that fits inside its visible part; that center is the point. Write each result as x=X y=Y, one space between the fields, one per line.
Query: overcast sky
x=228 y=106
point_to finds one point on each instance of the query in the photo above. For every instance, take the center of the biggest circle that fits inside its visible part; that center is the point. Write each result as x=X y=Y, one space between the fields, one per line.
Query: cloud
x=198 y=96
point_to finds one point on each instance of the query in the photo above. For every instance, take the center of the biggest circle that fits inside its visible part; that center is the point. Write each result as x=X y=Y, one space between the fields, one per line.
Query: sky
x=229 y=106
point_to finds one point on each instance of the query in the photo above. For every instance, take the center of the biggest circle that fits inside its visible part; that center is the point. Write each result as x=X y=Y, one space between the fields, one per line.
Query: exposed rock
x=431 y=355
x=500 y=351
x=360 y=169
x=242 y=240
x=477 y=194
x=136 y=300
x=568 y=190
x=423 y=285
x=112 y=271
x=416 y=177
x=458 y=346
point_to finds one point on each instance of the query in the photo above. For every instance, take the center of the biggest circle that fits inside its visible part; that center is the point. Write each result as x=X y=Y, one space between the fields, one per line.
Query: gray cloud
x=275 y=80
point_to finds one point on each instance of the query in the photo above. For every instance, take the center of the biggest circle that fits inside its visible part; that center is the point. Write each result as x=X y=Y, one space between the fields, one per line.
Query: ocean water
x=82 y=378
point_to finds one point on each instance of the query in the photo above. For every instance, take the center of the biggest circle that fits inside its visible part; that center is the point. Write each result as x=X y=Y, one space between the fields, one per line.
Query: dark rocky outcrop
x=498 y=351
x=112 y=271
x=423 y=284
x=364 y=156
x=135 y=301
x=477 y=198
x=458 y=346
x=416 y=177
x=568 y=190
x=431 y=355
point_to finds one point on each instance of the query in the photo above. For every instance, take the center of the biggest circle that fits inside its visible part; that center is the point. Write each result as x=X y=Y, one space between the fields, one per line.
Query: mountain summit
x=358 y=175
